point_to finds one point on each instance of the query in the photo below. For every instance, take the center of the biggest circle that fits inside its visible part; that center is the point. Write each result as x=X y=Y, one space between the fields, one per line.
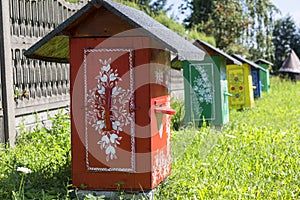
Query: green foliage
x=259 y=33
x=158 y=11
x=132 y=4
x=73 y=1
x=194 y=34
x=170 y=23
x=201 y=11
x=243 y=27
x=224 y=20
x=286 y=37
x=148 y=6
x=177 y=119
x=46 y=152
x=256 y=156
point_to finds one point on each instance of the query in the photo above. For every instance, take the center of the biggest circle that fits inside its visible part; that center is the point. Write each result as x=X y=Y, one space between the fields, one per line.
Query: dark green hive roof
x=215 y=49
x=252 y=64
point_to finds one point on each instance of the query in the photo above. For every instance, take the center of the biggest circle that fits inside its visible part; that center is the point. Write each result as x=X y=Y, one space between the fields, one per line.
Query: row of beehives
x=221 y=82
x=119 y=84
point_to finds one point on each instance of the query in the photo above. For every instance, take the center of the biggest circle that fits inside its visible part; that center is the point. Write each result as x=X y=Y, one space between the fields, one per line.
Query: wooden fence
x=33 y=90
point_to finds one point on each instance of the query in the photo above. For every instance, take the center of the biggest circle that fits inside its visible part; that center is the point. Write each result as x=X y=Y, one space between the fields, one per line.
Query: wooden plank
x=7 y=75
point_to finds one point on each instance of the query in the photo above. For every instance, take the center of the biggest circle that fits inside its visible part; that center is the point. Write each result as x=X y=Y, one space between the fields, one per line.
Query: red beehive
x=123 y=133
x=120 y=102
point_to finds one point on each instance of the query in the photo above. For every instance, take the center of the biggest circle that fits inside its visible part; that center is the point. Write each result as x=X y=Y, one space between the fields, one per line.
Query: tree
x=157 y=9
x=240 y=26
x=259 y=34
x=201 y=11
x=159 y=6
x=286 y=37
x=223 y=19
x=151 y=7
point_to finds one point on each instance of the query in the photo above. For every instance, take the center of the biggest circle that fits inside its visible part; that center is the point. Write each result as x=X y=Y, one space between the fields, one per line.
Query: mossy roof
x=55 y=45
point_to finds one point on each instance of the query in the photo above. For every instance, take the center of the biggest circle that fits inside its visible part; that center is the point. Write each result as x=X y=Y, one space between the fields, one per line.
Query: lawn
x=255 y=156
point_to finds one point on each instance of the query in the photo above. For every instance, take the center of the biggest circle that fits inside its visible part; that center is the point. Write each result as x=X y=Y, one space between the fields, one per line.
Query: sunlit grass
x=256 y=156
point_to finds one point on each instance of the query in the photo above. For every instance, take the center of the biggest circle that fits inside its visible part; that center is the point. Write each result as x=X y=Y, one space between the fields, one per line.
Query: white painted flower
x=113 y=77
x=103 y=78
x=101 y=89
x=115 y=91
x=110 y=152
x=201 y=92
x=116 y=125
x=105 y=139
x=113 y=138
x=159 y=76
x=101 y=124
x=106 y=64
x=24 y=170
x=106 y=68
x=108 y=79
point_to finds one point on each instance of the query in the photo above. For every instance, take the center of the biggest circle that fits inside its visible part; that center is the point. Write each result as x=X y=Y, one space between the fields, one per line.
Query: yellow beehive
x=240 y=86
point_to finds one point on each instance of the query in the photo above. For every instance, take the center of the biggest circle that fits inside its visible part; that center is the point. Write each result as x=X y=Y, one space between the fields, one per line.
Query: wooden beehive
x=240 y=86
x=206 y=93
x=120 y=94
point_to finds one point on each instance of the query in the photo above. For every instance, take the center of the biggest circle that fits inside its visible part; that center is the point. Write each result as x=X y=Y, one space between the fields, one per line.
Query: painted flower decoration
x=108 y=105
x=202 y=87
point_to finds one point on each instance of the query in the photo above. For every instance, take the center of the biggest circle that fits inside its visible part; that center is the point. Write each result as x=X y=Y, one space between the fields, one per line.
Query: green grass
x=73 y=1
x=255 y=156
x=47 y=154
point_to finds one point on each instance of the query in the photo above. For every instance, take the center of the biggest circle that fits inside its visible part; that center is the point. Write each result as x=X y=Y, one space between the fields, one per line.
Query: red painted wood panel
x=116 y=136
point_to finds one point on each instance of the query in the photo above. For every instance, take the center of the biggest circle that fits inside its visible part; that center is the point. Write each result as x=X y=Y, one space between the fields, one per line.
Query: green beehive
x=205 y=86
x=265 y=75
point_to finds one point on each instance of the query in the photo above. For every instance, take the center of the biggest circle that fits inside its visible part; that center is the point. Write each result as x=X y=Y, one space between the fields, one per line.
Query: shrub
x=177 y=119
x=46 y=152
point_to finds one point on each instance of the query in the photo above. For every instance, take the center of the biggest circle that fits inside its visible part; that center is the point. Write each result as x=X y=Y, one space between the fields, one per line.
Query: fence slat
x=7 y=75
x=29 y=86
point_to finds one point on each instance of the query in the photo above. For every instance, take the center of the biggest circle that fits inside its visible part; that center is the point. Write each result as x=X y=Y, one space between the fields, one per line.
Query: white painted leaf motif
x=108 y=79
x=103 y=78
x=113 y=138
x=110 y=153
x=105 y=139
x=161 y=128
x=106 y=68
x=116 y=125
x=101 y=124
x=202 y=87
x=119 y=139
x=113 y=77
x=159 y=76
x=101 y=90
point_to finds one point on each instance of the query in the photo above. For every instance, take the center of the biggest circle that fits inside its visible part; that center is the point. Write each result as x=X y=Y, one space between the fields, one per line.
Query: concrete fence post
x=7 y=74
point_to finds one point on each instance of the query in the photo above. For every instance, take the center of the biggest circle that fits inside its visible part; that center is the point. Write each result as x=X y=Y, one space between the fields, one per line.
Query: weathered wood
x=8 y=103
x=177 y=84
x=30 y=86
